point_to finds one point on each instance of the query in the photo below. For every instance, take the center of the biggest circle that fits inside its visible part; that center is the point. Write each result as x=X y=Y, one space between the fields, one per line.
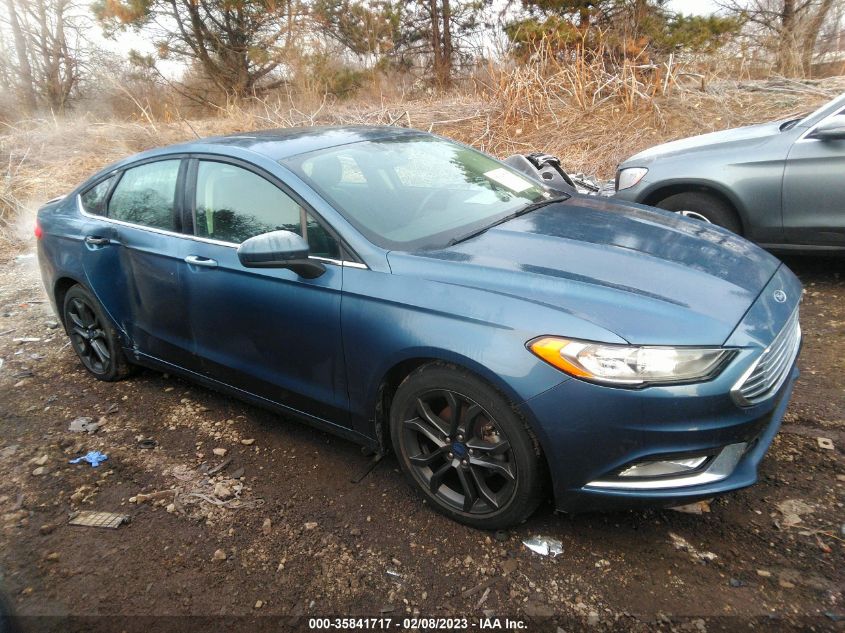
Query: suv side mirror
x=279 y=249
x=831 y=130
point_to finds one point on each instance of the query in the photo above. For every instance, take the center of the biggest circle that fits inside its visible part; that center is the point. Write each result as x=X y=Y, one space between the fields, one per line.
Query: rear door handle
x=196 y=260
x=96 y=240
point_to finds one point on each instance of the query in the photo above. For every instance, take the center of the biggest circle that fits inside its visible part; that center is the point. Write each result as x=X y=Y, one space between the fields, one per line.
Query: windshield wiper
x=528 y=208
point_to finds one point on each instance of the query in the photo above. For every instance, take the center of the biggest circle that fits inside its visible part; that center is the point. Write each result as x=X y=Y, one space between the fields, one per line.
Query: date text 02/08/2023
x=414 y=623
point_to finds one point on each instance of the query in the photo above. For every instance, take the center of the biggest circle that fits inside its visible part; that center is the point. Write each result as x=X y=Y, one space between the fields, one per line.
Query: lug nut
x=451 y=455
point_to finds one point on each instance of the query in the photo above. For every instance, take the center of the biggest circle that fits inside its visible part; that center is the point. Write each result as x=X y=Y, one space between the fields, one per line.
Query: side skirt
x=826 y=249
x=151 y=362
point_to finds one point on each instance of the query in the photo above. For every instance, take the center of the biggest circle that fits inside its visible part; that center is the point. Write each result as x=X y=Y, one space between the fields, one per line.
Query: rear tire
x=93 y=337
x=707 y=206
x=481 y=468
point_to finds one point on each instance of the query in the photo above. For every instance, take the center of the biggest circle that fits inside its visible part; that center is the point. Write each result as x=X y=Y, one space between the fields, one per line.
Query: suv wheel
x=703 y=206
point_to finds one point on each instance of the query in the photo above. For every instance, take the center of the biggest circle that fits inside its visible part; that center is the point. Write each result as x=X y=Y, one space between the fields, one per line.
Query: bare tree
x=812 y=31
x=47 y=42
x=26 y=83
x=444 y=19
x=788 y=28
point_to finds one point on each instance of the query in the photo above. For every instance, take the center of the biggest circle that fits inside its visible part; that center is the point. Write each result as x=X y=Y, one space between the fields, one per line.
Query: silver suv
x=780 y=184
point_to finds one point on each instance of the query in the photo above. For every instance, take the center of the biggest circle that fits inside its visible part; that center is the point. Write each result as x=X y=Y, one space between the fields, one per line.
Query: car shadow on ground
x=815 y=267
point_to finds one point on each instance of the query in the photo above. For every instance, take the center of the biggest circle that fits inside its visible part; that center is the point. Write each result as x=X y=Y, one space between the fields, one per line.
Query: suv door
x=265 y=331
x=814 y=191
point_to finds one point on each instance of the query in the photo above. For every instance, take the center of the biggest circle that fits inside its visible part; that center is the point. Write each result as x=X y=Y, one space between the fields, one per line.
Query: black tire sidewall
x=118 y=366
x=707 y=205
x=528 y=491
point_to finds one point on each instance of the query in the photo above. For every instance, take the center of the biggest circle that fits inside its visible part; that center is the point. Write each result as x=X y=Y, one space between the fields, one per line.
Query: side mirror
x=279 y=249
x=831 y=130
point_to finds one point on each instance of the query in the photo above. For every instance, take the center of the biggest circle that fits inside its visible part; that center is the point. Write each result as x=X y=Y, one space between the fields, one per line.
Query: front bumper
x=591 y=433
x=618 y=427
x=632 y=194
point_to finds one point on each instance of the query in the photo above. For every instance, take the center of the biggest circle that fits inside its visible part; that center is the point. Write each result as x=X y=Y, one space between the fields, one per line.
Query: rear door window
x=234 y=204
x=146 y=195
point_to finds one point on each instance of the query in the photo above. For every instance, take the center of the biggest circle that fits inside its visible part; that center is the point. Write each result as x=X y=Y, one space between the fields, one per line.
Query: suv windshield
x=805 y=118
x=415 y=192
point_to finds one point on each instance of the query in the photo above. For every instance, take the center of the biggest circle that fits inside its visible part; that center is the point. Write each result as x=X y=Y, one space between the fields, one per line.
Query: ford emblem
x=780 y=296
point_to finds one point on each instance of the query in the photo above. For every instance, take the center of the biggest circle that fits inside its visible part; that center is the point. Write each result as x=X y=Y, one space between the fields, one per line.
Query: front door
x=814 y=193
x=266 y=331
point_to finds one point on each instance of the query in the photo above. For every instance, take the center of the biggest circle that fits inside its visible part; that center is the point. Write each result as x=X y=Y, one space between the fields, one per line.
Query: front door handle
x=96 y=240
x=196 y=260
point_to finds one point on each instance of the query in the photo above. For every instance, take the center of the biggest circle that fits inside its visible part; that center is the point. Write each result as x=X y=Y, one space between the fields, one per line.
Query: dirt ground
x=299 y=539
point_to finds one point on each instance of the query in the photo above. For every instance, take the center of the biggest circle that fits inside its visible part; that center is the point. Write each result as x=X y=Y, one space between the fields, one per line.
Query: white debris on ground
x=544 y=545
x=682 y=544
x=792 y=511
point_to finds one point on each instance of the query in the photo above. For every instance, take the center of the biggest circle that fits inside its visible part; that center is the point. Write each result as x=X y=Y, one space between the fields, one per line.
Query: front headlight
x=628 y=364
x=629 y=177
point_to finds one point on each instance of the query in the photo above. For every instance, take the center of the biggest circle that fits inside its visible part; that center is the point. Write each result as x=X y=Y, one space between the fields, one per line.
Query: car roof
x=281 y=143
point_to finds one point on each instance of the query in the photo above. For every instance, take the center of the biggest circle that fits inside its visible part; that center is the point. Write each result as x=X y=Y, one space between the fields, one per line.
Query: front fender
x=384 y=324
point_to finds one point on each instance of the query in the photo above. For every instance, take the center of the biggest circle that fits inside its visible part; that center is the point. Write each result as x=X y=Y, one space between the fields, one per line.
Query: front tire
x=479 y=467
x=703 y=206
x=92 y=336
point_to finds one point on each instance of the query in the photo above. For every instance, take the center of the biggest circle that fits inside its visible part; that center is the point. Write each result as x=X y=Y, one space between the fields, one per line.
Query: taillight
x=38 y=230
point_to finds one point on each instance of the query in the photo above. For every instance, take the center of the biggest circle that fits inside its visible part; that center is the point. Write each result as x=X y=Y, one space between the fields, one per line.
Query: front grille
x=768 y=373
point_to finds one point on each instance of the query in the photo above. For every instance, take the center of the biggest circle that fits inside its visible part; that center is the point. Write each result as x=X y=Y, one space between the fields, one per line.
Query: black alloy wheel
x=477 y=463
x=456 y=447
x=92 y=337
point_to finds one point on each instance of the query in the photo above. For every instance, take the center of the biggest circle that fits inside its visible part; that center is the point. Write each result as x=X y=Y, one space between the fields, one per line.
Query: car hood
x=749 y=136
x=648 y=276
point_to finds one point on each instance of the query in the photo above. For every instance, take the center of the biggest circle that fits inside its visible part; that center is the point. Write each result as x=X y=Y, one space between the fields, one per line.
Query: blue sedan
x=507 y=341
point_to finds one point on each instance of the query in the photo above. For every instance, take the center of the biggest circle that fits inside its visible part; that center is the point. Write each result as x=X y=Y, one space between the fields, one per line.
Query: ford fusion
x=509 y=343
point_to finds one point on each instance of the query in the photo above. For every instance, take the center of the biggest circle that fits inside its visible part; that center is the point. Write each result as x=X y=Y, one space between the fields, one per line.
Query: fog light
x=662 y=474
x=664 y=467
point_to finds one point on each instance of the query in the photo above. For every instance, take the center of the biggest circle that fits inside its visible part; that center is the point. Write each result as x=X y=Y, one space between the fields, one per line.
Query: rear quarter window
x=94 y=198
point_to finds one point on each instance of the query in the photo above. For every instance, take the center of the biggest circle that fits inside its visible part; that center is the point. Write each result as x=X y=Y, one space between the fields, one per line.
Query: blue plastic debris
x=95 y=458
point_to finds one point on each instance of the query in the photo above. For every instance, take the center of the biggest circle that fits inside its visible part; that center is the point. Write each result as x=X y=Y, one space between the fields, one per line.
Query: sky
x=698 y=7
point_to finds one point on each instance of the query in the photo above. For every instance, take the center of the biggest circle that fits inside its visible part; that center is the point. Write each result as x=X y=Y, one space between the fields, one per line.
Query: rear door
x=814 y=192
x=135 y=257
x=101 y=251
x=263 y=330
x=147 y=204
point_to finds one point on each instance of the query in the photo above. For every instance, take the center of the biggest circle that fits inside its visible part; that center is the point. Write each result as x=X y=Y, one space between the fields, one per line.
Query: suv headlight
x=630 y=365
x=629 y=177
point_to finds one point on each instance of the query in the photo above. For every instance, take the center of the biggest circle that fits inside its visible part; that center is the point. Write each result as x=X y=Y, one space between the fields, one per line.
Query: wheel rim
x=88 y=336
x=463 y=460
x=695 y=215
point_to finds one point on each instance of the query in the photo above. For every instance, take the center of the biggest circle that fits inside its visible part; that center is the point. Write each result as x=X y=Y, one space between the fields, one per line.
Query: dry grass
x=589 y=118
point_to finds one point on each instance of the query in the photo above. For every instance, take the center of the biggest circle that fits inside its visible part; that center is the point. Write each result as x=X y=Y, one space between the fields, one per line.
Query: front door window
x=234 y=204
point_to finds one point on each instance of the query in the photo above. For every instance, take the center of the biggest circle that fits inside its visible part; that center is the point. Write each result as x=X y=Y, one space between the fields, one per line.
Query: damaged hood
x=648 y=276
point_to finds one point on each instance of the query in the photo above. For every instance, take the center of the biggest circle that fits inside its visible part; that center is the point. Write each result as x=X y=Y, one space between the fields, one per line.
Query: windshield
x=804 y=119
x=415 y=192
